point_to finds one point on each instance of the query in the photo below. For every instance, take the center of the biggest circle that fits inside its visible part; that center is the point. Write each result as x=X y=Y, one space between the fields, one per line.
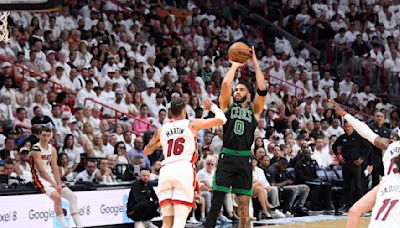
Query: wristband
x=262 y=93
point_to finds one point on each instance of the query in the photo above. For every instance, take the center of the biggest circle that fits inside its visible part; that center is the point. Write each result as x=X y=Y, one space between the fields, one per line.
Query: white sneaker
x=289 y=214
x=139 y=225
x=277 y=214
x=193 y=220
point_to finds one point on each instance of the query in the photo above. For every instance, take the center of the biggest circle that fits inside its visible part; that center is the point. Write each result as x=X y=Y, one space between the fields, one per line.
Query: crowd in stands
x=102 y=78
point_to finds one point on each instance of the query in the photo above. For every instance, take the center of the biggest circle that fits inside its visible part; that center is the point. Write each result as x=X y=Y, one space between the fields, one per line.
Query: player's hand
x=236 y=64
x=338 y=108
x=207 y=104
x=59 y=188
x=254 y=59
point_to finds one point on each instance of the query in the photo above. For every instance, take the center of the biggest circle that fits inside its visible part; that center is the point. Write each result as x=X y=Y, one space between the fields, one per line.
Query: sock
x=203 y=214
x=61 y=218
x=216 y=204
x=77 y=219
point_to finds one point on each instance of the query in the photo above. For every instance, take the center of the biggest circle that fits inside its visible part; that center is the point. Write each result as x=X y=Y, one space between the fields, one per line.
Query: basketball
x=239 y=52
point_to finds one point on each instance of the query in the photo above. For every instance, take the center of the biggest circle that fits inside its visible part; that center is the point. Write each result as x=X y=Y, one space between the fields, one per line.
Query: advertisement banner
x=96 y=208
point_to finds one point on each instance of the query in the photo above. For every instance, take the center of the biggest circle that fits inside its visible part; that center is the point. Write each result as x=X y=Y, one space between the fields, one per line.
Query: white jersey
x=178 y=142
x=386 y=212
x=389 y=158
x=46 y=156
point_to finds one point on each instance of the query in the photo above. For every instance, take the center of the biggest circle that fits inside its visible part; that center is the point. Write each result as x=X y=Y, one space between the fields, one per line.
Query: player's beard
x=239 y=100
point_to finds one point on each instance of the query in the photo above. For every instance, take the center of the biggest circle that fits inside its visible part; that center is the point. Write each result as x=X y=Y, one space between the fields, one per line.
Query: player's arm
x=153 y=144
x=54 y=166
x=226 y=86
x=365 y=204
x=37 y=159
x=363 y=129
x=218 y=120
x=259 y=100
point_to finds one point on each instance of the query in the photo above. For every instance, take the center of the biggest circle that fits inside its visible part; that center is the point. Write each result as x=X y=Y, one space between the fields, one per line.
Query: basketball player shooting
x=176 y=183
x=46 y=177
x=234 y=170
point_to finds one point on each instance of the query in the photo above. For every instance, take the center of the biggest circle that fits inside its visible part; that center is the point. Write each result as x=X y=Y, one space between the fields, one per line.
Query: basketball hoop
x=3 y=26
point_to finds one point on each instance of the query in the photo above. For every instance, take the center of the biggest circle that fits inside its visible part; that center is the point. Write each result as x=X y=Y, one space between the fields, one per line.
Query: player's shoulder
x=36 y=148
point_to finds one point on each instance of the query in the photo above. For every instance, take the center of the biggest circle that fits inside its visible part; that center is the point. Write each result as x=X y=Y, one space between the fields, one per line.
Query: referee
x=234 y=169
x=354 y=149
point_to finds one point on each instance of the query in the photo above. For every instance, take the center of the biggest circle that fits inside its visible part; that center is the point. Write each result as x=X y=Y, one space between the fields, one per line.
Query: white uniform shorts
x=176 y=184
x=45 y=186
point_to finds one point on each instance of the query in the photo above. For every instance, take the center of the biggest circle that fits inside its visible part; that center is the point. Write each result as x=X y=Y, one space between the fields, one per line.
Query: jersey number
x=386 y=202
x=238 y=128
x=392 y=163
x=176 y=146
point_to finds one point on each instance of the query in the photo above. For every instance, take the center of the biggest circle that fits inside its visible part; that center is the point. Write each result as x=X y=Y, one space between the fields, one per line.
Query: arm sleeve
x=361 y=128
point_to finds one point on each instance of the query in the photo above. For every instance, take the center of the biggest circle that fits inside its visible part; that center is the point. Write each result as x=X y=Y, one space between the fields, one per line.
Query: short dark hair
x=283 y=161
x=44 y=129
x=18 y=110
x=144 y=169
x=90 y=160
x=177 y=106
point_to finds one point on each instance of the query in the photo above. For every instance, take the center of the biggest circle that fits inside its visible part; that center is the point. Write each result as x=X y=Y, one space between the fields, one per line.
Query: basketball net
x=3 y=26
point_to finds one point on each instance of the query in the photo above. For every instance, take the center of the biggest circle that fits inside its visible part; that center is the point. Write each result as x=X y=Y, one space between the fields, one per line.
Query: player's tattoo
x=243 y=210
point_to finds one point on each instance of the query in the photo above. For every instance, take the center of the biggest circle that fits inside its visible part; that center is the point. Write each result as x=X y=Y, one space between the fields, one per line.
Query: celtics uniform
x=234 y=165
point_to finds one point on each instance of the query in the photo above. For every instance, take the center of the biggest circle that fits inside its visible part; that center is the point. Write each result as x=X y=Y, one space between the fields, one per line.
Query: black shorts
x=234 y=171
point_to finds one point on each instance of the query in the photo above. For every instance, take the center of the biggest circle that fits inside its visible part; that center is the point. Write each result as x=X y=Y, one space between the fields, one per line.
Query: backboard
x=24 y=5
x=30 y=5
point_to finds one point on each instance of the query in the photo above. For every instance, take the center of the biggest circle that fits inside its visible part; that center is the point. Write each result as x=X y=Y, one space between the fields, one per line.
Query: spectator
x=265 y=189
x=122 y=155
x=88 y=174
x=142 y=122
x=65 y=171
x=142 y=202
x=334 y=129
x=279 y=178
x=104 y=174
x=205 y=177
x=137 y=149
x=321 y=154
x=306 y=173
x=73 y=153
x=216 y=142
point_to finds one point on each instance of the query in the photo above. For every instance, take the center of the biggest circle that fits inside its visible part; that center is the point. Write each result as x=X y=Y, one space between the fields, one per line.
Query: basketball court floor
x=320 y=224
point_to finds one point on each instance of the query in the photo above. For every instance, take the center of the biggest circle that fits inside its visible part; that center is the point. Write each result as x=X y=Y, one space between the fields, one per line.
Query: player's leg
x=181 y=212
x=167 y=211
x=56 y=197
x=242 y=185
x=366 y=203
x=243 y=210
x=73 y=205
x=221 y=184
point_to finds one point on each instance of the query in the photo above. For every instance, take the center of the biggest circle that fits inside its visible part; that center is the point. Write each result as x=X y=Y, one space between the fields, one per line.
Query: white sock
x=77 y=219
x=61 y=218
x=203 y=214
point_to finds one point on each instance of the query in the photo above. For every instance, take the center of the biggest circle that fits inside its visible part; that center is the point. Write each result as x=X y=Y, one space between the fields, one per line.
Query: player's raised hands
x=338 y=108
x=207 y=104
x=254 y=59
x=236 y=64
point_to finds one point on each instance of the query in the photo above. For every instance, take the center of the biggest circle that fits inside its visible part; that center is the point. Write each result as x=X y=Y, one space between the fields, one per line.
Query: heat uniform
x=177 y=177
x=389 y=158
x=386 y=212
x=46 y=156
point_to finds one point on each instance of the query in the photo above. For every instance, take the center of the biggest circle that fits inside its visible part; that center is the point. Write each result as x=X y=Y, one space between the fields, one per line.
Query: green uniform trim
x=243 y=191
x=218 y=187
x=236 y=152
